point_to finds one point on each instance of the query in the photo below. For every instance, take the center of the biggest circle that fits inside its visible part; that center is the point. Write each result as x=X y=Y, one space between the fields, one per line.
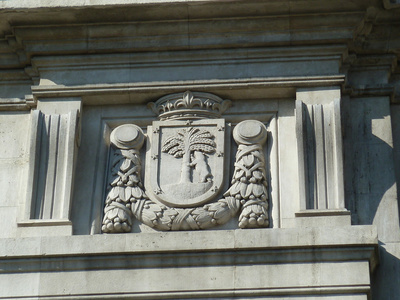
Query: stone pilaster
x=319 y=141
x=54 y=139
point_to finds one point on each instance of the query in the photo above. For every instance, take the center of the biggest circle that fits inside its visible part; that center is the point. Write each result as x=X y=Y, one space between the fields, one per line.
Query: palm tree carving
x=184 y=143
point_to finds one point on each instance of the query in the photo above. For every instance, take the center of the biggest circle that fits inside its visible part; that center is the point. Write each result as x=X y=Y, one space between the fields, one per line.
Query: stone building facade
x=199 y=149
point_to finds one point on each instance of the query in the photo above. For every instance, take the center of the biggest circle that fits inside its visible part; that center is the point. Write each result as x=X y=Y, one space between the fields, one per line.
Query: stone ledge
x=41 y=222
x=309 y=293
x=323 y=212
x=213 y=240
x=13 y=4
x=51 y=4
x=274 y=263
x=198 y=258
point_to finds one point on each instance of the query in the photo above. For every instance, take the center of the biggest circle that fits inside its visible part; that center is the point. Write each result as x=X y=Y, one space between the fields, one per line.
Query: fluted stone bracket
x=127 y=199
x=53 y=149
x=320 y=158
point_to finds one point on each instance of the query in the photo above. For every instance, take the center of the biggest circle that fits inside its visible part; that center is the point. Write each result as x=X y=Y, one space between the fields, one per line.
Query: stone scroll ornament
x=184 y=170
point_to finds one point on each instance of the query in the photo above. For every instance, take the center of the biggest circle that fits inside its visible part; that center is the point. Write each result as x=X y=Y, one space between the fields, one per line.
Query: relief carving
x=249 y=182
x=185 y=170
x=126 y=187
x=191 y=144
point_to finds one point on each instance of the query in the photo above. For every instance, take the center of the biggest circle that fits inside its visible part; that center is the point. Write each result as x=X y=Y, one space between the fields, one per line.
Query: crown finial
x=189 y=105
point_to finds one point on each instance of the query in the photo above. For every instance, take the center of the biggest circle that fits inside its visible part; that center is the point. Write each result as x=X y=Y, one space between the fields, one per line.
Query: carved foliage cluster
x=127 y=199
x=190 y=139
x=125 y=190
x=249 y=186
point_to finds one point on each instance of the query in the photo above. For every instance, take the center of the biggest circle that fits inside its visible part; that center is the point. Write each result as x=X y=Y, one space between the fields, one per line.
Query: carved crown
x=189 y=105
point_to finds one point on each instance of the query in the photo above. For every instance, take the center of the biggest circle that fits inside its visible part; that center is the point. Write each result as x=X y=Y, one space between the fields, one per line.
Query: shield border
x=152 y=185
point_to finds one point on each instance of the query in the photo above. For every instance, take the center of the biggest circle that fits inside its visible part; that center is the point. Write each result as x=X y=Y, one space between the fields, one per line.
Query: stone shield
x=185 y=161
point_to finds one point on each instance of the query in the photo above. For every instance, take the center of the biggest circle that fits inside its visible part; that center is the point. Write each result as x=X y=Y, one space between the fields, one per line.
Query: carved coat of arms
x=186 y=162
x=186 y=159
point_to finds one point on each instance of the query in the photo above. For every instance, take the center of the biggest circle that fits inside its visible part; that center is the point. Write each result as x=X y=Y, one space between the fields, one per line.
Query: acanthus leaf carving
x=249 y=182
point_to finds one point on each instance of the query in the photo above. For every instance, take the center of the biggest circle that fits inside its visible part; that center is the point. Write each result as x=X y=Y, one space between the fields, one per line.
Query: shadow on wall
x=386 y=279
x=395 y=118
x=270 y=141
x=370 y=184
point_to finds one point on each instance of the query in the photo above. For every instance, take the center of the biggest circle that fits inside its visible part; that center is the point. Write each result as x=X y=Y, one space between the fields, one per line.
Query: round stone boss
x=127 y=136
x=250 y=132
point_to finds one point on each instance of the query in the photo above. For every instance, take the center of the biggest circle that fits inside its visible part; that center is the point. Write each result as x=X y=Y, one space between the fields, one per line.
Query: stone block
x=11 y=287
x=37 y=228
x=13 y=134
x=12 y=182
x=323 y=221
x=8 y=215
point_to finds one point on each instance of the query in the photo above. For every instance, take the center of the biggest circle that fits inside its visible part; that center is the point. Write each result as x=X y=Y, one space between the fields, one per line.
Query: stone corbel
x=319 y=141
x=54 y=139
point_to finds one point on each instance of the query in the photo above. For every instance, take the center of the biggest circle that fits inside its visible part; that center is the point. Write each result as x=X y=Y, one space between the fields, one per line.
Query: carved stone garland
x=127 y=197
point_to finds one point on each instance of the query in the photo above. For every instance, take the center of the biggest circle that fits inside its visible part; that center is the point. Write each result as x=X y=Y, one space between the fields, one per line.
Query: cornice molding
x=14 y=104
x=176 y=66
x=55 y=28
x=99 y=61
x=189 y=34
x=139 y=92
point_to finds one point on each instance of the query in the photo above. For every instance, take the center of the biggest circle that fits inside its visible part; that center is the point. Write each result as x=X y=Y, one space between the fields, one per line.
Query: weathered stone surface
x=13 y=167
x=182 y=195
x=105 y=61
x=319 y=138
x=222 y=261
x=369 y=169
